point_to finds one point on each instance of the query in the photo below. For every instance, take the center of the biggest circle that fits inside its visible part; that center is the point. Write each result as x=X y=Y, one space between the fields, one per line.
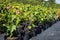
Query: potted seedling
x=12 y=25
x=12 y=21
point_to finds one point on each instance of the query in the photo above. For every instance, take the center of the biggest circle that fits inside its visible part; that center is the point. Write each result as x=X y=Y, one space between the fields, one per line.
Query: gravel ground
x=52 y=33
x=2 y=36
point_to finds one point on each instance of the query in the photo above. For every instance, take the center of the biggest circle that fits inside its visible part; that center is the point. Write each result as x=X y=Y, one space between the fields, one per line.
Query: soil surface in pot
x=13 y=38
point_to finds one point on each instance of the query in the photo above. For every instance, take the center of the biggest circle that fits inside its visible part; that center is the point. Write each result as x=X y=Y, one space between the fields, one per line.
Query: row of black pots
x=34 y=31
x=26 y=35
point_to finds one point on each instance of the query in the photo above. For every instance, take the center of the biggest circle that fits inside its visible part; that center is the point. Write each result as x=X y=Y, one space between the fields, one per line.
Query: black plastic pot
x=2 y=36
